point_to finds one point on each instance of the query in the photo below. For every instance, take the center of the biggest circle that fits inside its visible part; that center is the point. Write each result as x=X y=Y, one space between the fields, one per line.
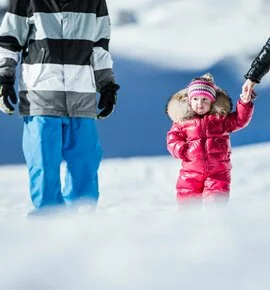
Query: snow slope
x=138 y=238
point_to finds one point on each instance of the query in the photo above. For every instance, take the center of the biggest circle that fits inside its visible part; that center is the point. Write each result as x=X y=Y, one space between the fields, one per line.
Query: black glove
x=107 y=100
x=7 y=95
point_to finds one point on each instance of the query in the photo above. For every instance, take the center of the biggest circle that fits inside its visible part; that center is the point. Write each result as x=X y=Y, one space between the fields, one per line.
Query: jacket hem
x=57 y=113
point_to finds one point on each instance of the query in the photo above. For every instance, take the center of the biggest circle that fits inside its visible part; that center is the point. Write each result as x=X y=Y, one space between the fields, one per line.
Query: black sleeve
x=261 y=64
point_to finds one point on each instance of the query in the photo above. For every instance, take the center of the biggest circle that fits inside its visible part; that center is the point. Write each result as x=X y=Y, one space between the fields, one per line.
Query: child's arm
x=241 y=117
x=176 y=142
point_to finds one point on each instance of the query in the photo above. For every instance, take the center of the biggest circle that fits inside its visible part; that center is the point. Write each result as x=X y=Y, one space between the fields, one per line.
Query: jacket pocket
x=37 y=67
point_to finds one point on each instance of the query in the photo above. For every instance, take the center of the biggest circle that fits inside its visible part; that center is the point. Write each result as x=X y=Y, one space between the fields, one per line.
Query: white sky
x=137 y=238
x=190 y=34
x=3 y=3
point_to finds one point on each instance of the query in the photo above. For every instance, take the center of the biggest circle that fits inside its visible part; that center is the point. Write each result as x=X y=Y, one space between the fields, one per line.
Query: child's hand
x=253 y=95
x=183 y=152
x=246 y=98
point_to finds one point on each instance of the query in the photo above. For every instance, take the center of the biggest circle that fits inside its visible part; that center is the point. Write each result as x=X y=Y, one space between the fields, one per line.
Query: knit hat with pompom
x=202 y=86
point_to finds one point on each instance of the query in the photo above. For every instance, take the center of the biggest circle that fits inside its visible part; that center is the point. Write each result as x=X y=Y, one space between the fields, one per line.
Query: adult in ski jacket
x=259 y=67
x=62 y=48
x=202 y=140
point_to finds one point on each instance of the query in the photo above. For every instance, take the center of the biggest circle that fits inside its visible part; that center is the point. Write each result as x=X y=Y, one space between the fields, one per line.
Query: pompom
x=208 y=77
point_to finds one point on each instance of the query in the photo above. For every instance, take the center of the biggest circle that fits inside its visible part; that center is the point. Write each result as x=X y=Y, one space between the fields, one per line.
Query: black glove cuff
x=4 y=80
x=110 y=87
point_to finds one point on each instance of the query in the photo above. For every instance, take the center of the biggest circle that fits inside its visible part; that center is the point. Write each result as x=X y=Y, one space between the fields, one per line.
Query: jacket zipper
x=92 y=75
x=62 y=50
x=42 y=51
x=204 y=145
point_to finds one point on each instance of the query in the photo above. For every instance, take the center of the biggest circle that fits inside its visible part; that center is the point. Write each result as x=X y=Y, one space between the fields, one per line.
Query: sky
x=138 y=238
x=191 y=34
x=3 y=3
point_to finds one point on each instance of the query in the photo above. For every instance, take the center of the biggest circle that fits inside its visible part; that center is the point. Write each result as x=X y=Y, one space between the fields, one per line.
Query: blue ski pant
x=47 y=141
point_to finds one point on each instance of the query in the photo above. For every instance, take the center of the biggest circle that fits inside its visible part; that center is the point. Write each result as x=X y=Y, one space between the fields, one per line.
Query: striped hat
x=202 y=86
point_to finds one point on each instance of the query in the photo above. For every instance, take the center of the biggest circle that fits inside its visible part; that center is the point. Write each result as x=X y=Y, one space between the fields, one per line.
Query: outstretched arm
x=242 y=116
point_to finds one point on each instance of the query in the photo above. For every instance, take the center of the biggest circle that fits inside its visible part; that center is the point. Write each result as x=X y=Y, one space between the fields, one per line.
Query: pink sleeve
x=176 y=141
x=240 y=118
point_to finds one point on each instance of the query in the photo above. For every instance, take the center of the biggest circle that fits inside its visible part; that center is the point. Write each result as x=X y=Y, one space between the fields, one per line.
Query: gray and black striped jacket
x=63 y=46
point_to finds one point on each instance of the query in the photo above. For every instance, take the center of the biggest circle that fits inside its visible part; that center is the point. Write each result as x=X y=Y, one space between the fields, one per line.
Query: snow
x=138 y=238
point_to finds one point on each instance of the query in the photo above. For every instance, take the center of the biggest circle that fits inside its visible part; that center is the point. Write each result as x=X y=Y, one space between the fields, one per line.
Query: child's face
x=200 y=105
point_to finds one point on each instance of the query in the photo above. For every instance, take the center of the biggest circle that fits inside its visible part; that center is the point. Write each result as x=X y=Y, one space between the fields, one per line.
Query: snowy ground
x=138 y=238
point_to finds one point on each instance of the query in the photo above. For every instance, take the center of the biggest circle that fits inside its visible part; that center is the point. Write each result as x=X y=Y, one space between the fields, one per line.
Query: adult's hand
x=247 y=87
x=7 y=98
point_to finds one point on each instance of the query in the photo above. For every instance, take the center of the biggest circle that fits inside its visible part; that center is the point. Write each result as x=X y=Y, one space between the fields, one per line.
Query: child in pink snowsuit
x=202 y=120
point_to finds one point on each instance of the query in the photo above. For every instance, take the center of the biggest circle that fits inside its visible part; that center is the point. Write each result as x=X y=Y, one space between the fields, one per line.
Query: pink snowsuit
x=203 y=144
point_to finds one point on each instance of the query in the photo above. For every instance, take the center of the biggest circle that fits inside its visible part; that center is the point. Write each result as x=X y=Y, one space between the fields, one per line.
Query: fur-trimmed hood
x=179 y=109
